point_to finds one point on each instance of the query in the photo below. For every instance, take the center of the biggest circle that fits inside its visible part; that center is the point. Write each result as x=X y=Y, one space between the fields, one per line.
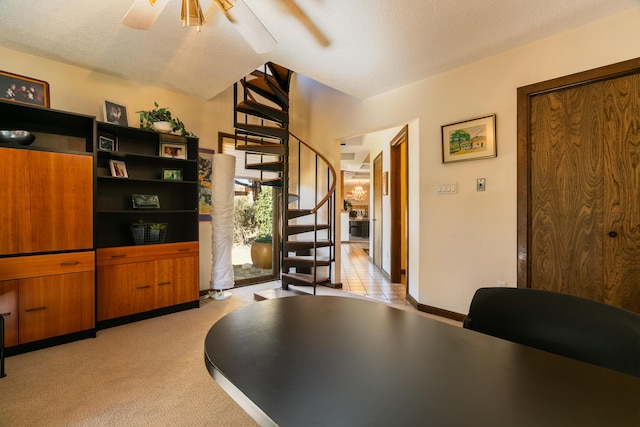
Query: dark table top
x=334 y=361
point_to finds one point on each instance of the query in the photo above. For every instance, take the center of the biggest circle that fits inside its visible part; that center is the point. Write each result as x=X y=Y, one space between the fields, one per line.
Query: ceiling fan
x=143 y=14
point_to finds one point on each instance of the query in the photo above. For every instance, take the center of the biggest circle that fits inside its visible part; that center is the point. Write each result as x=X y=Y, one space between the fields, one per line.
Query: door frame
x=399 y=177
x=377 y=211
x=524 y=96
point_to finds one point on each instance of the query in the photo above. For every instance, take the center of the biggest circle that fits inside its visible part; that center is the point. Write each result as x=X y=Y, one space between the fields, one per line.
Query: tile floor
x=361 y=276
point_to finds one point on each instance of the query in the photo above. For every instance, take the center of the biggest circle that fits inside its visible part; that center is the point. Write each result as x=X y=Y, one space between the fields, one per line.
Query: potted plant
x=155 y=232
x=160 y=120
x=347 y=205
x=137 y=230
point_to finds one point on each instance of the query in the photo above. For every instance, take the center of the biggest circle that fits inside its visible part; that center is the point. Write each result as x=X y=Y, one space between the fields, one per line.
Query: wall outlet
x=501 y=284
x=480 y=184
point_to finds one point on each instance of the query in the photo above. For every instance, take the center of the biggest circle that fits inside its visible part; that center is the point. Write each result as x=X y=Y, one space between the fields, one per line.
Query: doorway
x=255 y=254
x=398 y=186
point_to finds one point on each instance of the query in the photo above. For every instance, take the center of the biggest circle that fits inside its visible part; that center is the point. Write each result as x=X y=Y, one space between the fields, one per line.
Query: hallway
x=360 y=276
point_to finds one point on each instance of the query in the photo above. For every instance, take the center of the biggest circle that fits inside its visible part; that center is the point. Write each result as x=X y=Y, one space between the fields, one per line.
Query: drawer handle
x=5 y=314
x=118 y=256
x=164 y=283
x=31 y=310
x=184 y=250
x=69 y=263
x=143 y=287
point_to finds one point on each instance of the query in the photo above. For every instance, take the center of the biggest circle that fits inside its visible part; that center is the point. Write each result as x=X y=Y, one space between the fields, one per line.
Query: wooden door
x=377 y=211
x=55 y=201
x=125 y=289
x=56 y=305
x=176 y=281
x=399 y=205
x=8 y=202
x=584 y=183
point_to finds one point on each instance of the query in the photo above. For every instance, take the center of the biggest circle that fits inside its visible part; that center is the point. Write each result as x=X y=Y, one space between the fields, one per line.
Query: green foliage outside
x=264 y=214
x=253 y=221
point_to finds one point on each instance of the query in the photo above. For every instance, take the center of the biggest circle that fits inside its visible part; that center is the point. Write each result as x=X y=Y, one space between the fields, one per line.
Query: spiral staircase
x=304 y=180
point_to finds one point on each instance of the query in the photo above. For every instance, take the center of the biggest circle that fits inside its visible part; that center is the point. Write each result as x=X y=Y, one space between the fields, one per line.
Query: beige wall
x=461 y=242
x=457 y=243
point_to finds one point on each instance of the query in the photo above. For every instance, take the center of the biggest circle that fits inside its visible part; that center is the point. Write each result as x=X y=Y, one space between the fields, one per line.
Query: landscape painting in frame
x=469 y=140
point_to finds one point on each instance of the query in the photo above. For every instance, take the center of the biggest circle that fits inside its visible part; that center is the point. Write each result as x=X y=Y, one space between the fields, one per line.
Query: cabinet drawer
x=142 y=253
x=46 y=265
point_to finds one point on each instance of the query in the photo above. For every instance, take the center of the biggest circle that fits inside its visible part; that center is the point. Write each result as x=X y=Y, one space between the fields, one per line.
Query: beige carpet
x=149 y=373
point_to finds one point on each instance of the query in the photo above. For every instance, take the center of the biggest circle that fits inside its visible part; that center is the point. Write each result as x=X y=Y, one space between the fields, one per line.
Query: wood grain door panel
x=8 y=202
x=55 y=201
x=9 y=310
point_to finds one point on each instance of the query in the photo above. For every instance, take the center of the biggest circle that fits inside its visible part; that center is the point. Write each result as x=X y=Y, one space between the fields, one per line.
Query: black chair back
x=570 y=326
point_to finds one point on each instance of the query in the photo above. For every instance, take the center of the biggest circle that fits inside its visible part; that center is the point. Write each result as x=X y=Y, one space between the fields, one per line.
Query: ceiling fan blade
x=143 y=13
x=250 y=27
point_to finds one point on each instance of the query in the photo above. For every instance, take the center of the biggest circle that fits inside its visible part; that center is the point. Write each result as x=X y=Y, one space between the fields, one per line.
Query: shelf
x=140 y=151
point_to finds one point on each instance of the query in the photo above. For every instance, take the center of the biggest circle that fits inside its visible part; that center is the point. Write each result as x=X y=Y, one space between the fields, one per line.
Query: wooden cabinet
x=47 y=295
x=138 y=279
x=47 y=262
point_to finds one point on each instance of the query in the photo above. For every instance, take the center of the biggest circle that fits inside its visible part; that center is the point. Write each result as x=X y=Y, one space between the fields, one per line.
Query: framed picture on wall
x=23 y=90
x=469 y=140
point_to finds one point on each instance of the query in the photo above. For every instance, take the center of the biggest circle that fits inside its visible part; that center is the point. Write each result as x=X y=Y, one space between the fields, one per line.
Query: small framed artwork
x=115 y=113
x=145 y=201
x=205 y=169
x=173 y=150
x=172 y=174
x=118 y=169
x=107 y=143
x=469 y=140
x=23 y=90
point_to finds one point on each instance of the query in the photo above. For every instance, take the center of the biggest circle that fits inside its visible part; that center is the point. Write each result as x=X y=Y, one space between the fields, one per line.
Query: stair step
x=304 y=228
x=276 y=166
x=261 y=130
x=297 y=245
x=264 y=148
x=272 y=182
x=304 y=261
x=263 y=111
x=267 y=87
x=281 y=74
x=297 y=213
x=303 y=279
x=293 y=198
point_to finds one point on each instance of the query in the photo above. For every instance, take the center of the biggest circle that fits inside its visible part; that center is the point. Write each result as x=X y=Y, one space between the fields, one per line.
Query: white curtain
x=222 y=191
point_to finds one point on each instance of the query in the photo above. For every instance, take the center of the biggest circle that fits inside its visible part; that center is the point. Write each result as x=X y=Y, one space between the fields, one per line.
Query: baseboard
x=49 y=342
x=110 y=323
x=435 y=310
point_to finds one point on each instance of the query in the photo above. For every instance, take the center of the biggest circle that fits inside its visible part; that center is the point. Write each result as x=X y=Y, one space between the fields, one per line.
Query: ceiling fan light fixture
x=191 y=14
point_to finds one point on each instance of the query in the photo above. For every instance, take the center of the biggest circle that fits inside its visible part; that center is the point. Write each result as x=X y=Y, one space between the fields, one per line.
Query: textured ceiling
x=360 y=47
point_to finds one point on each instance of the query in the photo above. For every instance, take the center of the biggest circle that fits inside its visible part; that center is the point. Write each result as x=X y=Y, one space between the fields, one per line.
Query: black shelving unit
x=139 y=149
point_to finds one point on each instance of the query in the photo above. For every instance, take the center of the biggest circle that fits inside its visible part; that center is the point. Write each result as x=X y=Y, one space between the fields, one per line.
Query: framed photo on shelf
x=469 y=140
x=115 y=113
x=145 y=201
x=106 y=143
x=24 y=90
x=173 y=150
x=118 y=169
x=172 y=174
